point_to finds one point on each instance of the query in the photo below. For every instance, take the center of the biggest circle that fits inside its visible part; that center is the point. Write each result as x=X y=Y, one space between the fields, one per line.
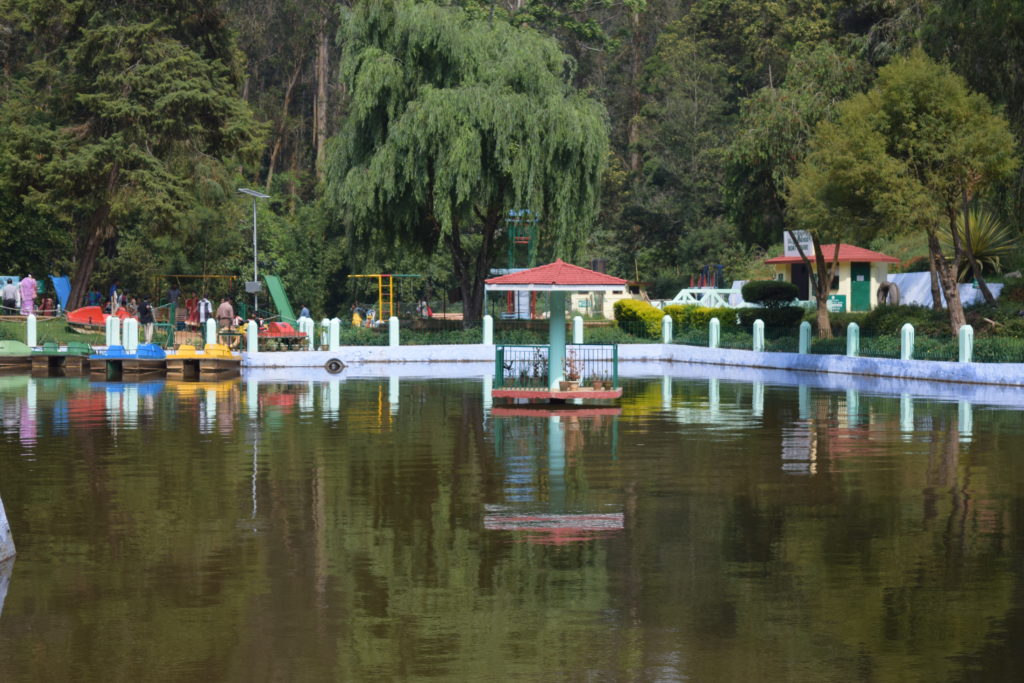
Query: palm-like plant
x=991 y=240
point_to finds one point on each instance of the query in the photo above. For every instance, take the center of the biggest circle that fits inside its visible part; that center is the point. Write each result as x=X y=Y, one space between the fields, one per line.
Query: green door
x=860 y=287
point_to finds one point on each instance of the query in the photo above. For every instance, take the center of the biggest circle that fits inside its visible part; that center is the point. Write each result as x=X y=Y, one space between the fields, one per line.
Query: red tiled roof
x=557 y=273
x=847 y=253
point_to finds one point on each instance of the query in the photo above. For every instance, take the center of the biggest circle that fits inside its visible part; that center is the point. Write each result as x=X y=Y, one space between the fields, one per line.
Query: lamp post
x=255 y=272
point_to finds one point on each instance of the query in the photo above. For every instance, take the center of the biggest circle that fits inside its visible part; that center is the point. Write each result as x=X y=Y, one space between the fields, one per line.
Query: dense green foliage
x=769 y=293
x=393 y=135
x=906 y=154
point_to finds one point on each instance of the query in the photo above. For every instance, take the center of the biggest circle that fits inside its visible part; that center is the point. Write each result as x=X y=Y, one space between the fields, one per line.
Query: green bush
x=777 y=321
x=839 y=321
x=639 y=314
x=890 y=319
x=770 y=293
x=692 y=316
x=1013 y=291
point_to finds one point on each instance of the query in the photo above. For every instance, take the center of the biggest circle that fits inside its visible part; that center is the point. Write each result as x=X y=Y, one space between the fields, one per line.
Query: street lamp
x=255 y=285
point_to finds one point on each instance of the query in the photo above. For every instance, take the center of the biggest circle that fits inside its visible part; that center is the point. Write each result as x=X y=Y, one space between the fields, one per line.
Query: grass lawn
x=55 y=330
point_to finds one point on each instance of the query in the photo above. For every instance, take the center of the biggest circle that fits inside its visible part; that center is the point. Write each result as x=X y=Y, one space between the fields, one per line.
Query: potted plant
x=596 y=382
x=572 y=373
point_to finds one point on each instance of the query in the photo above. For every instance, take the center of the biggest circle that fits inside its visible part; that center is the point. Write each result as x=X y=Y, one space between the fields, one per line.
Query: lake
x=723 y=526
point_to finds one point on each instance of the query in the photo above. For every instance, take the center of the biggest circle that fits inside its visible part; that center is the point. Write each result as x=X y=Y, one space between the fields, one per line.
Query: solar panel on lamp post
x=255 y=272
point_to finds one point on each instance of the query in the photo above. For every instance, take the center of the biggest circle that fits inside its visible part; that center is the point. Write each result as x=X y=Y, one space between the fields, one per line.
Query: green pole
x=556 y=340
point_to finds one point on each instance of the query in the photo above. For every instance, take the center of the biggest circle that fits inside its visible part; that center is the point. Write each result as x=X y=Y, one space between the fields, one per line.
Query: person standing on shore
x=146 y=319
x=225 y=313
x=115 y=297
x=205 y=310
x=11 y=298
x=28 y=294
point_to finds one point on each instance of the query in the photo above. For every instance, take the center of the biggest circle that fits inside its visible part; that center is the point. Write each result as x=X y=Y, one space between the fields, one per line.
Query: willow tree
x=903 y=156
x=451 y=122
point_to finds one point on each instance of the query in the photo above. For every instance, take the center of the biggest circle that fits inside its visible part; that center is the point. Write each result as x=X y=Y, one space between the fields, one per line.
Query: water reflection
x=394 y=527
x=543 y=476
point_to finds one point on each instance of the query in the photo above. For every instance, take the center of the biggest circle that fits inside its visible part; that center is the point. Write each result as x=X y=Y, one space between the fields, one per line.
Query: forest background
x=126 y=128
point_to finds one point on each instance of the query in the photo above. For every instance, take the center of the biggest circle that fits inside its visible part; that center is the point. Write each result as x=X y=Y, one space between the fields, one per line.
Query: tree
x=117 y=125
x=770 y=142
x=901 y=156
x=452 y=122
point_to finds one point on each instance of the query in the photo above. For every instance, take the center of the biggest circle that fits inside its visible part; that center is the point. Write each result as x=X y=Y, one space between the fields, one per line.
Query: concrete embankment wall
x=1007 y=374
x=1011 y=374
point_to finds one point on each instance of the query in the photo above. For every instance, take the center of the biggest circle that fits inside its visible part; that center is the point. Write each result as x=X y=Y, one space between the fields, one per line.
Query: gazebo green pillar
x=556 y=340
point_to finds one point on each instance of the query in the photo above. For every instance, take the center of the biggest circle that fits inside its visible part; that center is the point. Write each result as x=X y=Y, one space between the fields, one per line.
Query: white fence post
x=252 y=341
x=488 y=338
x=334 y=335
x=907 y=342
x=211 y=331
x=966 y=343
x=759 y=335
x=130 y=335
x=577 y=329
x=30 y=330
x=666 y=329
x=113 y=330
x=853 y=340
x=805 y=338
x=393 y=330
x=714 y=333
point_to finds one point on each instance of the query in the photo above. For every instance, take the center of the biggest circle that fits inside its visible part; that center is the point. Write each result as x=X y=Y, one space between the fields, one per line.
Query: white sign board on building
x=789 y=246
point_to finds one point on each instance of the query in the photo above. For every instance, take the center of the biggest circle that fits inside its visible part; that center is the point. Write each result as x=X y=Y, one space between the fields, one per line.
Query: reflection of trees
x=368 y=559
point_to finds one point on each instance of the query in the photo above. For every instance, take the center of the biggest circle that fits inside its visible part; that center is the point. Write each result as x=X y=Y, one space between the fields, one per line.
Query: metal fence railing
x=527 y=366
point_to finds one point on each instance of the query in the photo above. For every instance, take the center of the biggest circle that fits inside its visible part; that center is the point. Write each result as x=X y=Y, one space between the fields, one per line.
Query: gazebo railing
x=524 y=366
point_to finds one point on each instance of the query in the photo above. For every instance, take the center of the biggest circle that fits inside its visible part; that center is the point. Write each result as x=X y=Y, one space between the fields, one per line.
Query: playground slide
x=284 y=309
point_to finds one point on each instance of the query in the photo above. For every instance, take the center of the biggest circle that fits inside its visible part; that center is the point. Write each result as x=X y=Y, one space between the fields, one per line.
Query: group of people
x=363 y=317
x=117 y=299
x=20 y=298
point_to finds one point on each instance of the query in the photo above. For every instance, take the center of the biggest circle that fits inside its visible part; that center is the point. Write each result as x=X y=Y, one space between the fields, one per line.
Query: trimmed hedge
x=692 y=316
x=770 y=293
x=631 y=311
x=777 y=321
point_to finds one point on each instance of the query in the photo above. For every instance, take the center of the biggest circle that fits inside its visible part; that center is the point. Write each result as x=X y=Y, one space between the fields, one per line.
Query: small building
x=603 y=303
x=858 y=276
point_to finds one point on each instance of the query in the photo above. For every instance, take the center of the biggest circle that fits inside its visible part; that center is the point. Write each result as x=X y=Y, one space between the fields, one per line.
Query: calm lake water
x=384 y=529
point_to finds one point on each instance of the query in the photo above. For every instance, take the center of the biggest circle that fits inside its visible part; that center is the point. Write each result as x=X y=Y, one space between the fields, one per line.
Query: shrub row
x=630 y=312
x=692 y=316
x=777 y=321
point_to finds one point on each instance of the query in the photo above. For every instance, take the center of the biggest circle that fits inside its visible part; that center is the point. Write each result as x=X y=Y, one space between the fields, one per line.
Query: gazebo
x=558 y=371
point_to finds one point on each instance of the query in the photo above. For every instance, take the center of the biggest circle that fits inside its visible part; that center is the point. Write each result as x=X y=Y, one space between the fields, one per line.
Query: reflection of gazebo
x=538 y=371
x=540 y=505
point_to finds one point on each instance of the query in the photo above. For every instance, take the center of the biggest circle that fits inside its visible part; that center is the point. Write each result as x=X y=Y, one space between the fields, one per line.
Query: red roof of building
x=558 y=273
x=847 y=253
